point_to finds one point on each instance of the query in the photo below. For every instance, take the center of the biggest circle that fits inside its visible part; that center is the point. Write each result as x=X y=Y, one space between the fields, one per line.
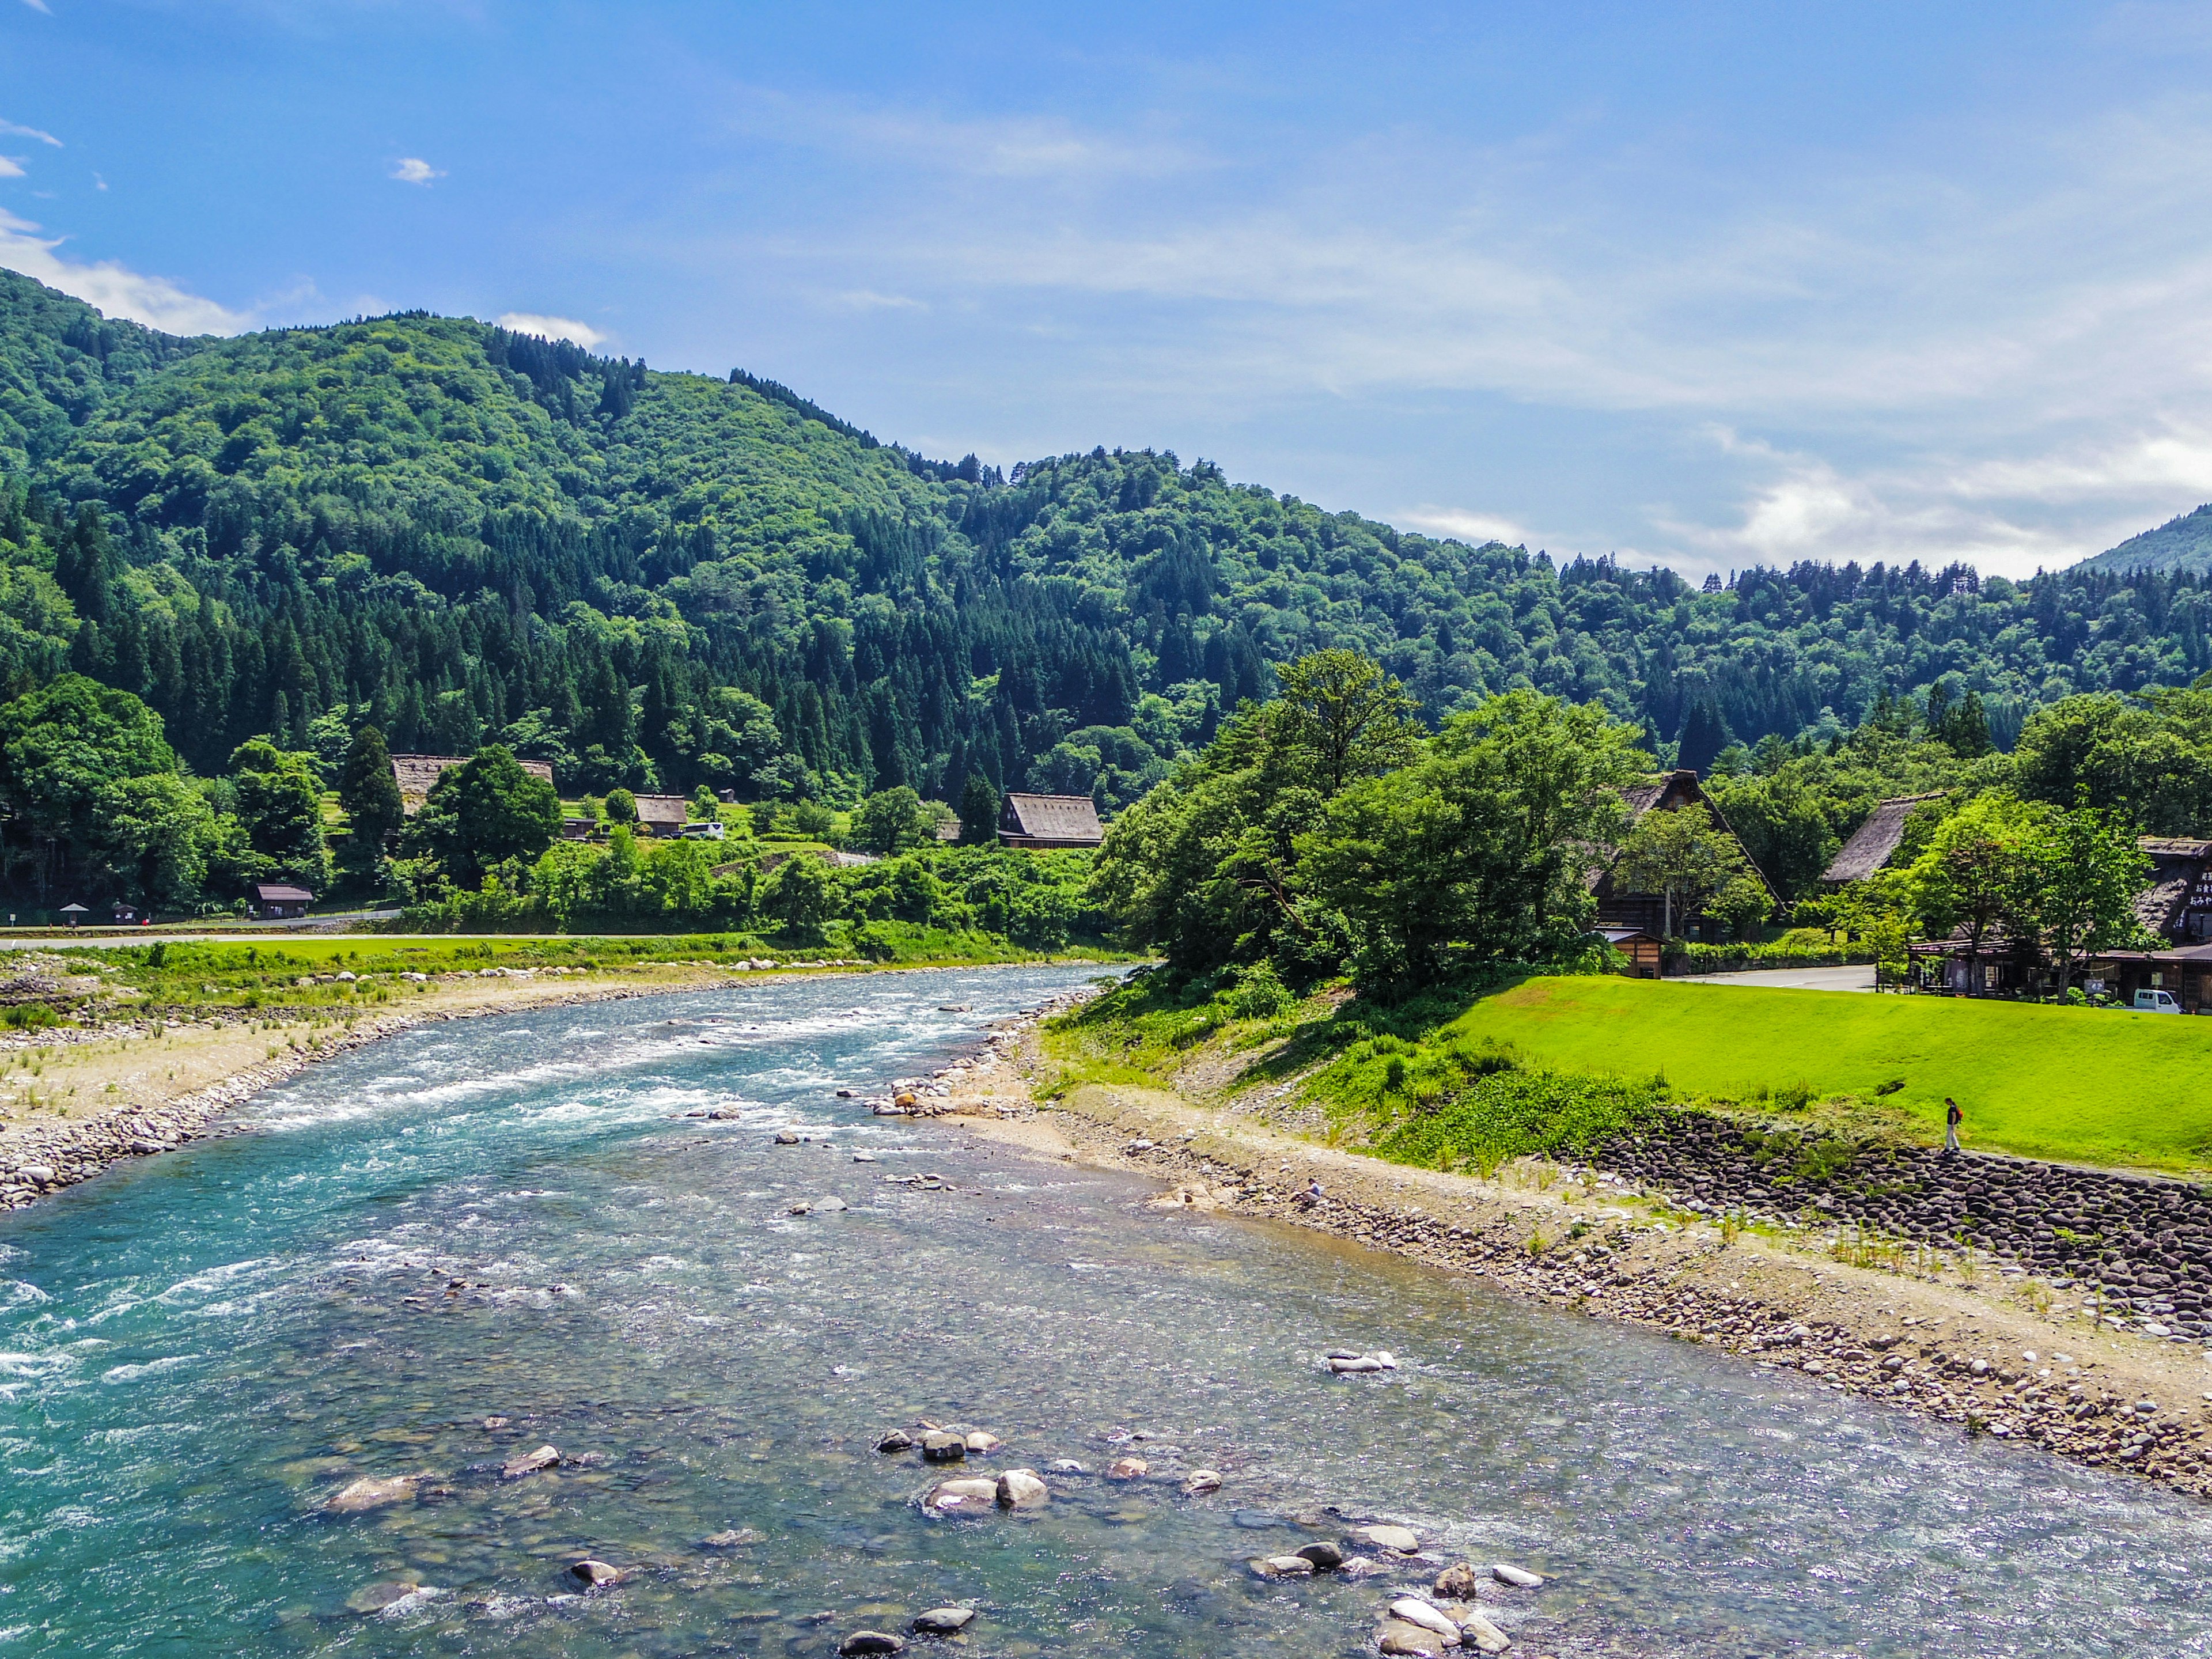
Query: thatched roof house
x=1043 y=822
x=2178 y=903
x=416 y=773
x=1618 y=907
x=661 y=815
x=1874 y=844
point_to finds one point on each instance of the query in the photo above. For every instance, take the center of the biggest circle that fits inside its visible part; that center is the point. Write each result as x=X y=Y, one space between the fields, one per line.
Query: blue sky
x=1706 y=285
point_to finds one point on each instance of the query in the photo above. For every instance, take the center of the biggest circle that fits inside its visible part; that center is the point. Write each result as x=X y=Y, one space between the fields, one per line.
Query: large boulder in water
x=370 y=1492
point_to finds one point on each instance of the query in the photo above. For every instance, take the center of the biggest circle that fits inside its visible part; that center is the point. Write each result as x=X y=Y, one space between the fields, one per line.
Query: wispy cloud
x=14 y=130
x=862 y=299
x=39 y=6
x=1473 y=528
x=414 y=170
x=551 y=328
x=11 y=168
x=116 y=289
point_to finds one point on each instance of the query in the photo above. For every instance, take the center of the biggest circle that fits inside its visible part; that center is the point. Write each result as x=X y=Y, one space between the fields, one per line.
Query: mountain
x=2182 y=544
x=665 y=579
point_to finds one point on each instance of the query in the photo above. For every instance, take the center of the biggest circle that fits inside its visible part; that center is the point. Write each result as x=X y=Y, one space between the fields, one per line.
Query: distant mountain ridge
x=664 y=580
x=2182 y=544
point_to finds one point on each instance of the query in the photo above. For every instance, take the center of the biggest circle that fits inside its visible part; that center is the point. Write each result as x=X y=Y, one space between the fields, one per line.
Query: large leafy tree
x=1688 y=860
x=484 y=812
x=891 y=821
x=1973 y=875
x=156 y=834
x=280 y=803
x=2081 y=870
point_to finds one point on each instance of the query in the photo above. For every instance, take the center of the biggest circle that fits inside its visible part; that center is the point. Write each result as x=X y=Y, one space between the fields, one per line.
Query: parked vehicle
x=2156 y=1002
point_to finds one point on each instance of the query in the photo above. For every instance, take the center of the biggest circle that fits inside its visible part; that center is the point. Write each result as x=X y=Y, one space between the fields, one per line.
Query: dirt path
x=1972 y=1346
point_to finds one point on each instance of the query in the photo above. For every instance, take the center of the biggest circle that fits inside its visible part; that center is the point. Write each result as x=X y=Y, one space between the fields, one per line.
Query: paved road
x=1860 y=978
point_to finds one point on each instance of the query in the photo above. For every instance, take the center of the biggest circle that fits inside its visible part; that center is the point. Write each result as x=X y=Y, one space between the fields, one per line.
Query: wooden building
x=1041 y=822
x=661 y=815
x=1620 y=906
x=1644 y=954
x=274 y=901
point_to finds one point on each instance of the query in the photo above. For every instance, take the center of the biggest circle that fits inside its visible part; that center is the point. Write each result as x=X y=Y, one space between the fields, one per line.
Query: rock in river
x=1399 y=1638
x=863 y=1642
x=735 y=1538
x=1456 y=1583
x=1202 y=1481
x=969 y=1496
x=1519 y=1577
x=982 y=1443
x=1128 y=1468
x=597 y=1574
x=897 y=1440
x=1021 y=1489
x=1282 y=1566
x=943 y=1621
x=356 y=1497
x=1401 y=1539
x=529 y=1463
x=1326 y=1558
x=1479 y=1633
x=1415 y=1611
x=943 y=1448
x=382 y=1598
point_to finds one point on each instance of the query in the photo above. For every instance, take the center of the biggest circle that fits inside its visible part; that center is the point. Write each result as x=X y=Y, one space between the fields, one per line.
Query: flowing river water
x=513 y=1218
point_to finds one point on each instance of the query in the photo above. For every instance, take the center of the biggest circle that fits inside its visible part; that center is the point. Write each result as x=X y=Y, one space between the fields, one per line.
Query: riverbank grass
x=1544 y=1064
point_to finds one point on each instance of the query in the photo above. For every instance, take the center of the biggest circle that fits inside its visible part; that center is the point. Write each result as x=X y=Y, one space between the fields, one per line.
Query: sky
x=1709 y=286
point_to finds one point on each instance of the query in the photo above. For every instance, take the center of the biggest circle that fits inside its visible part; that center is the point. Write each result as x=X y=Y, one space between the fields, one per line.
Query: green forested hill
x=670 y=579
x=2182 y=544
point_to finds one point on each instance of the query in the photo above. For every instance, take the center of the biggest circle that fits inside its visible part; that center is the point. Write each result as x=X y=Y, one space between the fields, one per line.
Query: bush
x=1258 y=994
x=1514 y=1114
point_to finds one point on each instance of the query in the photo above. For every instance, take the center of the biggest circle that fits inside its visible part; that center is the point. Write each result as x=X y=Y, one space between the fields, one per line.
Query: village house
x=276 y=901
x=1874 y=844
x=416 y=775
x=1620 y=907
x=1041 y=822
x=661 y=815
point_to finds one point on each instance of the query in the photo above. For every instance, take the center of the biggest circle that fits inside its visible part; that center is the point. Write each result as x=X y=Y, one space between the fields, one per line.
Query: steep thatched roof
x=417 y=774
x=1062 y=820
x=1874 y=842
x=2177 y=865
x=660 y=811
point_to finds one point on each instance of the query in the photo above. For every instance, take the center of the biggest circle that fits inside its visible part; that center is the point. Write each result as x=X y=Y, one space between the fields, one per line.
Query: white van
x=2156 y=1002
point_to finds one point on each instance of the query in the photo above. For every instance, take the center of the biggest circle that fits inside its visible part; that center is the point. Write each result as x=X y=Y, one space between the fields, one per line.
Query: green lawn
x=2091 y=1085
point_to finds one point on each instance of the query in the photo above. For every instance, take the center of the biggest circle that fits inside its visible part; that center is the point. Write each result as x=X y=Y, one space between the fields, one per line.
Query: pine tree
x=368 y=790
x=979 y=812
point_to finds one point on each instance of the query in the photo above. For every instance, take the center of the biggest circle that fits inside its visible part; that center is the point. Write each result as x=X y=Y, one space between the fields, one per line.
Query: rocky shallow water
x=444 y=1252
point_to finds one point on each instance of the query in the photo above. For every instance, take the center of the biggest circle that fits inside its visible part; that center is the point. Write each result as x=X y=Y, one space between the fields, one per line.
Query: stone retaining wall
x=2147 y=1242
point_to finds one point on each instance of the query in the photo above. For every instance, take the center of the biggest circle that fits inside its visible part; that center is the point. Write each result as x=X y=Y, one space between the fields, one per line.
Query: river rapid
x=514 y=1218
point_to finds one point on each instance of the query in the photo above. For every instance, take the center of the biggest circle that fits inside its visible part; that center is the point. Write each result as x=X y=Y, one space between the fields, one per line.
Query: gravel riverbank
x=1953 y=1341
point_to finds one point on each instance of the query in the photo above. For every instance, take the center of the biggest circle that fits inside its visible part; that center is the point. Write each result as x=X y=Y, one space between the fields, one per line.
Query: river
x=514 y=1218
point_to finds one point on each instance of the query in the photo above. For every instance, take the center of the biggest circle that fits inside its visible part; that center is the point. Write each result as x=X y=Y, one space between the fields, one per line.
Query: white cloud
x=868 y=300
x=39 y=6
x=1473 y=528
x=14 y=130
x=414 y=170
x=116 y=289
x=552 y=328
x=10 y=168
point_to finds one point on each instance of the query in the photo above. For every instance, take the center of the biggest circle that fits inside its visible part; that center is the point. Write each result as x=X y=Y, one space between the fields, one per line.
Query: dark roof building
x=278 y=900
x=1618 y=907
x=416 y=775
x=1874 y=844
x=661 y=815
x=2177 y=902
x=1043 y=822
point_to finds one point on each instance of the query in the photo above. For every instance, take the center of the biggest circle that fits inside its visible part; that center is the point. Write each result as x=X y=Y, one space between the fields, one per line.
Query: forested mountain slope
x=2182 y=544
x=669 y=579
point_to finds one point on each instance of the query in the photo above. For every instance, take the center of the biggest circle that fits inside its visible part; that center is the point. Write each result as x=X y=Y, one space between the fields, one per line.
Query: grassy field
x=1554 y=1061
x=2092 y=1086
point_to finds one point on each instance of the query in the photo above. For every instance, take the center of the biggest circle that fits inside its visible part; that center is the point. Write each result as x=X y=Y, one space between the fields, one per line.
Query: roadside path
x=1858 y=977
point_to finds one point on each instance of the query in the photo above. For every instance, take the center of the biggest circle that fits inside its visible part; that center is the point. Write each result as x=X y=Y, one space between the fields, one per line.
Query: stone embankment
x=2142 y=1247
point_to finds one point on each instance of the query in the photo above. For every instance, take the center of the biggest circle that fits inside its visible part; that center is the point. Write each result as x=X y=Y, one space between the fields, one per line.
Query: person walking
x=1952 y=1118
